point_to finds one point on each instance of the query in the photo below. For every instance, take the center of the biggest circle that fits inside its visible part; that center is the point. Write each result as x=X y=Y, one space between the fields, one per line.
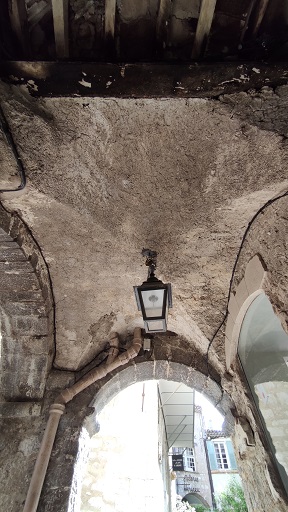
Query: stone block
x=127 y=376
x=213 y=391
x=178 y=372
x=24 y=378
x=11 y=252
x=11 y=281
x=4 y=237
x=241 y=293
x=26 y=345
x=225 y=404
x=144 y=371
x=17 y=294
x=196 y=380
x=30 y=325
x=106 y=393
x=254 y=274
x=16 y=267
x=229 y=352
x=233 y=307
x=35 y=308
x=19 y=409
x=230 y=324
x=161 y=369
x=58 y=380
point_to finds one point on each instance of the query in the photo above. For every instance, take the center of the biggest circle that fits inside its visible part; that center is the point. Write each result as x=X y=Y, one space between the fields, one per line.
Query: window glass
x=189 y=459
x=221 y=456
x=263 y=351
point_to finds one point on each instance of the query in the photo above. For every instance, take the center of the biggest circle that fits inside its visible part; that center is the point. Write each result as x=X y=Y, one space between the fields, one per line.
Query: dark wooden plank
x=246 y=20
x=259 y=15
x=61 y=29
x=142 y=80
x=203 y=27
x=163 y=15
x=19 y=23
x=110 y=13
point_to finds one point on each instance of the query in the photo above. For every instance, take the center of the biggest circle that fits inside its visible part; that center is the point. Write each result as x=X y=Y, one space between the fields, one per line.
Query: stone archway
x=193 y=498
x=167 y=370
x=139 y=372
x=26 y=314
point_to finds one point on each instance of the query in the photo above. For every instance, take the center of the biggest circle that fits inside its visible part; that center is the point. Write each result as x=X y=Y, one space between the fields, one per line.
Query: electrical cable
x=10 y=141
x=263 y=207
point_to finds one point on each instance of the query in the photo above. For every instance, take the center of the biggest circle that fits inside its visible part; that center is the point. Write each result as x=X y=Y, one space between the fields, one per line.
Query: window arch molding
x=255 y=333
x=252 y=285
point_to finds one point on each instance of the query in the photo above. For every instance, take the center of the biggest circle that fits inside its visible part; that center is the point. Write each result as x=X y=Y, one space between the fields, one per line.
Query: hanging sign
x=177 y=463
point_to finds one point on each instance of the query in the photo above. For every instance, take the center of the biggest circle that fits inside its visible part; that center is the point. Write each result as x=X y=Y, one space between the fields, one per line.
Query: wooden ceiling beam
x=19 y=23
x=110 y=15
x=61 y=28
x=163 y=16
x=36 y=15
x=141 y=80
x=203 y=27
x=246 y=21
x=259 y=15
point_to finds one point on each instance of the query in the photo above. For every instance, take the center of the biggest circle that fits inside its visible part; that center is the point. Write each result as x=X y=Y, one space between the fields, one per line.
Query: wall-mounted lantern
x=153 y=297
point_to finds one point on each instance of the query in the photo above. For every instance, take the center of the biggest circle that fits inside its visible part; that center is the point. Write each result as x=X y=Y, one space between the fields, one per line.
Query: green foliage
x=201 y=508
x=232 y=499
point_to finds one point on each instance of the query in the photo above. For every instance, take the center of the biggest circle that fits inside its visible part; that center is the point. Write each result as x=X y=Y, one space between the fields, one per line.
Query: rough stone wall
x=26 y=316
x=57 y=487
x=22 y=426
x=27 y=433
x=267 y=237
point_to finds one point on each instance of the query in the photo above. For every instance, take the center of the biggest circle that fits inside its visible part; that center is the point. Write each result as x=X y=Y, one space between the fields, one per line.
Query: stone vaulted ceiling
x=109 y=176
x=111 y=172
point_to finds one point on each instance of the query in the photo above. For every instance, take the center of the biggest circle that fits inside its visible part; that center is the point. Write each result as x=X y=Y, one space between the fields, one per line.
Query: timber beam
x=141 y=80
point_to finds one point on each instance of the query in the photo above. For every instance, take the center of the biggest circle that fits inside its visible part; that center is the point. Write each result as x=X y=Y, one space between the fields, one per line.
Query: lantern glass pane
x=153 y=302
x=155 y=325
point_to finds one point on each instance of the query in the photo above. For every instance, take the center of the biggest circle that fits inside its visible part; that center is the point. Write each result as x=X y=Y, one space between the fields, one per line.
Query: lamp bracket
x=151 y=261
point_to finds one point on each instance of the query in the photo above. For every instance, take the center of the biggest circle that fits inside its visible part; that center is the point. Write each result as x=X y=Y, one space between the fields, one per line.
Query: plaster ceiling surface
x=107 y=177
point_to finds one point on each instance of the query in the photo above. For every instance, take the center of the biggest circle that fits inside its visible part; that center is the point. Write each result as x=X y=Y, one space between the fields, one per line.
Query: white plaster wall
x=123 y=472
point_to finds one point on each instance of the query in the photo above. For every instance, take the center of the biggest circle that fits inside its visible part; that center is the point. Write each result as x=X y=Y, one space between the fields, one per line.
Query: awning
x=177 y=404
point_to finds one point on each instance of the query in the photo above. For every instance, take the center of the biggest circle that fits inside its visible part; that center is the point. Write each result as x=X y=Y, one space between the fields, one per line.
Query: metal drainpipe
x=39 y=473
x=57 y=409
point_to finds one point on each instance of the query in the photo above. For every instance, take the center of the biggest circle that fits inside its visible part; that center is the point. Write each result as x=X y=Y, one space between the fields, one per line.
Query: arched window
x=263 y=352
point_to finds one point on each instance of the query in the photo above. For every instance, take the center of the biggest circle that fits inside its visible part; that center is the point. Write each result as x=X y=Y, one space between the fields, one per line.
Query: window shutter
x=229 y=446
x=211 y=455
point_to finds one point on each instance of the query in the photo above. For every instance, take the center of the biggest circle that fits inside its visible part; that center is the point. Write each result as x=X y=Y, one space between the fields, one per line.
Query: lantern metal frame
x=151 y=284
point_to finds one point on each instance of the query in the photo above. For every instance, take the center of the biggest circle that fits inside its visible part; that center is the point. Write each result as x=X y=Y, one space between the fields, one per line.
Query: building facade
x=222 y=464
x=194 y=482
